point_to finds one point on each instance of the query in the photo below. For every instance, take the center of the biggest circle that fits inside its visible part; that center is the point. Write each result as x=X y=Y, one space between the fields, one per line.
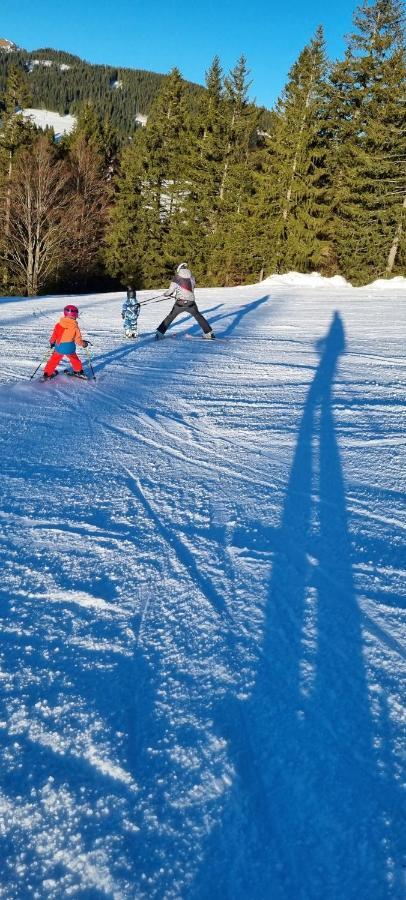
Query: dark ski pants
x=177 y=309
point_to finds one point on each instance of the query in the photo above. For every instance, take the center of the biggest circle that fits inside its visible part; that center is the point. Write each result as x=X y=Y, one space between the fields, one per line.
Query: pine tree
x=368 y=91
x=231 y=250
x=88 y=129
x=151 y=192
x=166 y=178
x=296 y=185
x=122 y=254
x=207 y=146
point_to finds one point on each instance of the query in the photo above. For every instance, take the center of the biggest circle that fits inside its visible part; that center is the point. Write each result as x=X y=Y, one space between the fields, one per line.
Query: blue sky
x=159 y=35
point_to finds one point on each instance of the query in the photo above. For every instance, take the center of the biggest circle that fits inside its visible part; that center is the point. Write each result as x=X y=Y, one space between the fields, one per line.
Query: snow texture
x=202 y=594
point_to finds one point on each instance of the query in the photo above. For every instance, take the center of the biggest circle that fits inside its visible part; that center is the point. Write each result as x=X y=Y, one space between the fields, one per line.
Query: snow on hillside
x=202 y=594
x=44 y=118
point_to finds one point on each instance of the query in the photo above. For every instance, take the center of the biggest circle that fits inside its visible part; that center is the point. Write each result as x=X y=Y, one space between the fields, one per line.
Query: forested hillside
x=319 y=186
x=62 y=82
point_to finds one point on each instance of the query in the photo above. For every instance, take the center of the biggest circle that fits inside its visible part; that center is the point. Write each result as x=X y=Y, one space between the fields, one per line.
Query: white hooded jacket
x=182 y=287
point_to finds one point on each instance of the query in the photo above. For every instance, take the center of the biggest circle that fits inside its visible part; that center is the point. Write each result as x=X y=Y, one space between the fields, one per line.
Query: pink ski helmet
x=71 y=311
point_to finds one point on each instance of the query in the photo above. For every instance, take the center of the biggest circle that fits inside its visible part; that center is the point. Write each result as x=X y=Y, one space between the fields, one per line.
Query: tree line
x=322 y=188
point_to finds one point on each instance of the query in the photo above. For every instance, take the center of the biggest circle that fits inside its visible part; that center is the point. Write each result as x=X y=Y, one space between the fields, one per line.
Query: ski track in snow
x=202 y=595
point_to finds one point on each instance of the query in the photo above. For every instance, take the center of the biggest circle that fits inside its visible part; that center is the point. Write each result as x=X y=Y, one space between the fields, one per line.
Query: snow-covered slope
x=44 y=118
x=203 y=578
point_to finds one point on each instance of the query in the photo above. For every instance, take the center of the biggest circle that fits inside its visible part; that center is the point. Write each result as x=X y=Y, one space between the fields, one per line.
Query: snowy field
x=43 y=118
x=203 y=577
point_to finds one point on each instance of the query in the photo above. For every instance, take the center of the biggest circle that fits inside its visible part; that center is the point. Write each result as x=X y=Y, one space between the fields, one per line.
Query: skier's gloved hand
x=52 y=343
x=86 y=343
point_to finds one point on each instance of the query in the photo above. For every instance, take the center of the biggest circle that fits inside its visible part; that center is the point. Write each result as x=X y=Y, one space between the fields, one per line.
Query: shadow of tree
x=313 y=808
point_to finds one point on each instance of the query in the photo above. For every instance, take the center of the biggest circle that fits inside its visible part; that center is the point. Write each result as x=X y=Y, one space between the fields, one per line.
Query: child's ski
x=195 y=337
x=80 y=375
x=48 y=377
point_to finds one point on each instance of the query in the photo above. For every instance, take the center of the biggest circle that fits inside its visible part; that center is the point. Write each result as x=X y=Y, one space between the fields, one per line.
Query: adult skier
x=182 y=288
x=63 y=340
x=130 y=313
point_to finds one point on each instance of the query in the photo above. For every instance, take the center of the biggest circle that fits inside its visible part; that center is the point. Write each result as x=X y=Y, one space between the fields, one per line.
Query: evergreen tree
x=231 y=250
x=368 y=91
x=207 y=146
x=155 y=172
x=122 y=254
x=88 y=129
x=166 y=171
x=296 y=179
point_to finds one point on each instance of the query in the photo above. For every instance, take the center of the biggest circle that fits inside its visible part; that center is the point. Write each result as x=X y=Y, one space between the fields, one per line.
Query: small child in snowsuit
x=130 y=313
x=64 y=338
x=182 y=288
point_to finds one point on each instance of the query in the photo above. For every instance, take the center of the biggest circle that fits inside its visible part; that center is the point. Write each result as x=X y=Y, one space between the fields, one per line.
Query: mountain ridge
x=62 y=82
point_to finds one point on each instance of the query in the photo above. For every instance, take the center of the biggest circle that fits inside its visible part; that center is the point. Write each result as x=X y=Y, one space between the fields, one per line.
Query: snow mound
x=314 y=279
x=388 y=284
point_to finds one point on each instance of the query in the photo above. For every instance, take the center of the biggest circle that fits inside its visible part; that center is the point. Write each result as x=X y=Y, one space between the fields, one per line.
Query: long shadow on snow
x=313 y=809
x=119 y=353
x=235 y=317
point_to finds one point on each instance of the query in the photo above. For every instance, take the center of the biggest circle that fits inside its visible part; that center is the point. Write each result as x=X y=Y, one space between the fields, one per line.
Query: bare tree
x=40 y=198
x=88 y=209
x=396 y=241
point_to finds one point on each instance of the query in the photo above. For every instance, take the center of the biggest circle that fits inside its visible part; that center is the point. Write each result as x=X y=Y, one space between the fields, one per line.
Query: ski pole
x=87 y=351
x=156 y=299
x=44 y=358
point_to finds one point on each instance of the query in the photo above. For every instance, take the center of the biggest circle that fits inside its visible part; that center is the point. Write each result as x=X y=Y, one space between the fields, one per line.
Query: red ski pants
x=56 y=358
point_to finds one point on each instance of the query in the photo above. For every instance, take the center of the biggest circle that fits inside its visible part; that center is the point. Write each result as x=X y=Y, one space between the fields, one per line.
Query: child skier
x=130 y=313
x=182 y=289
x=64 y=338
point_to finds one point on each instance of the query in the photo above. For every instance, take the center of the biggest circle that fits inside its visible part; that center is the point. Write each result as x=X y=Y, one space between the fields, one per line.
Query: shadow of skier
x=234 y=318
x=313 y=808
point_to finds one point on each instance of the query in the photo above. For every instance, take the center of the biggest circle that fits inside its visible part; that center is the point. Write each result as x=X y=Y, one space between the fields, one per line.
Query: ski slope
x=203 y=582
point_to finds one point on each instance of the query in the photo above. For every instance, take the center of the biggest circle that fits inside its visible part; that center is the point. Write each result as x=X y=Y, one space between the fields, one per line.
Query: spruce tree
x=368 y=92
x=122 y=253
x=144 y=235
x=231 y=248
x=296 y=180
x=207 y=143
x=88 y=128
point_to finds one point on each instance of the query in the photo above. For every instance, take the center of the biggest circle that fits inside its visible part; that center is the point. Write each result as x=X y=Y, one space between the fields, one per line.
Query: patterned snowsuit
x=130 y=313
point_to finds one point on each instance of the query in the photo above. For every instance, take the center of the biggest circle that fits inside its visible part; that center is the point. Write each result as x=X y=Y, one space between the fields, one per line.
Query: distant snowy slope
x=43 y=118
x=202 y=600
